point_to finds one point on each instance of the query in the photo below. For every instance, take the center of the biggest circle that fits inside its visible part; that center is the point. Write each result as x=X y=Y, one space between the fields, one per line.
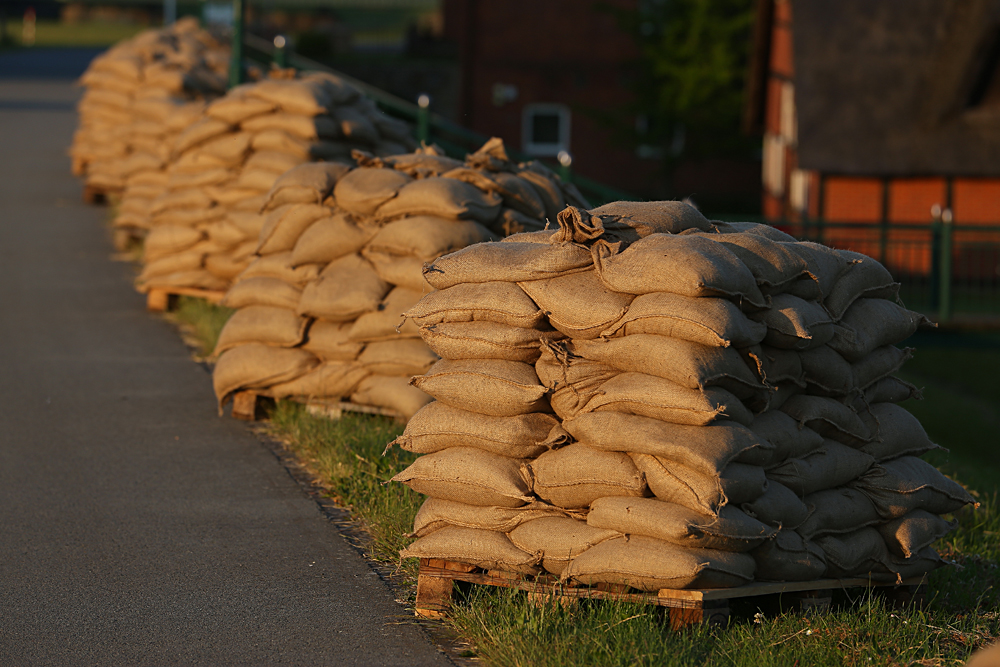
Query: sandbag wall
x=139 y=96
x=319 y=312
x=203 y=228
x=715 y=405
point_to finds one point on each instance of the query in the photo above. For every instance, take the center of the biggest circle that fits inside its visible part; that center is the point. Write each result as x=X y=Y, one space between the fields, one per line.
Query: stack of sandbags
x=320 y=310
x=203 y=228
x=139 y=95
x=689 y=448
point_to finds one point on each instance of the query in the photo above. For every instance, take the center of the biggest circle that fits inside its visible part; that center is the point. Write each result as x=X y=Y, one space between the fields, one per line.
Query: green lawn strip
x=202 y=320
x=88 y=33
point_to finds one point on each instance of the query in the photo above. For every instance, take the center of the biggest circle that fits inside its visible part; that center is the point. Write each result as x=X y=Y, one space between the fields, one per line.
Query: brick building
x=885 y=114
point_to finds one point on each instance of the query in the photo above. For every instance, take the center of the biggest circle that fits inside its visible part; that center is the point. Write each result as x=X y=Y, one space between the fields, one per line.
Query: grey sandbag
x=649 y=564
x=779 y=507
x=729 y=530
x=262 y=324
x=774 y=365
x=687 y=265
x=488 y=386
x=714 y=322
x=871 y=323
x=795 y=324
x=330 y=238
x=386 y=322
x=331 y=341
x=905 y=484
x=828 y=417
x=501 y=302
x=487 y=549
x=444 y=198
x=826 y=266
x=258 y=366
x=826 y=372
x=890 y=390
x=484 y=340
x=579 y=305
x=899 y=434
x=790 y=440
x=703 y=492
x=363 y=190
x=558 y=539
x=707 y=449
x=575 y=475
x=438 y=426
x=789 y=557
x=506 y=262
x=262 y=291
x=830 y=466
x=468 y=475
x=840 y=510
x=882 y=362
x=858 y=553
x=908 y=535
x=864 y=278
x=330 y=380
x=437 y=513
x=347 y=288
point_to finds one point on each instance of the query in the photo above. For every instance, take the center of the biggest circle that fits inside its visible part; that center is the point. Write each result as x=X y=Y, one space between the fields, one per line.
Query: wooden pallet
x=435 y=589
x=162 y=299
x=93 y=194
x=247 y=404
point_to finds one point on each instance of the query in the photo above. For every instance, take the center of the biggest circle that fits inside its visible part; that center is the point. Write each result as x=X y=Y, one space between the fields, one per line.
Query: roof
x=890 y=87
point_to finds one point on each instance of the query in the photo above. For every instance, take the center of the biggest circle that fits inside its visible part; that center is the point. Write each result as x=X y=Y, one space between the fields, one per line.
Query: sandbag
x=283 y=226
x=362 y=191
x=578 y=305
x=488 y=386
x=703 y=492
x=790 y=440
x=830 y=466
x=165 y=240
x=438 y=426
x=468 y=475
x=871 y=323
x=772 y=264
x=501 y=302
x=558 y=540
x=906 y=536
x=403 y=271
x=826 y=372
x=262 y=291
x=426 y=237
x=387 y=323
x=437 y=513
x=407 y=356
x=865 y=278
x=487 y=549
x=656 y=217
x=828 y=417
x=390 y=392
x=506 y=262
x=329 y=238
x=444 y=198
x=882 y=362
x=779 y=507
x=256 y=366
x=576 y=475
x=834 y=511
x=262 y=324
x=789 y=557
x=331 y=341
x=483 y=340
x=280 y=266
x=899 y=434
x=332 y=380
x=346 y=288
x=905 y=484
x=795 y=324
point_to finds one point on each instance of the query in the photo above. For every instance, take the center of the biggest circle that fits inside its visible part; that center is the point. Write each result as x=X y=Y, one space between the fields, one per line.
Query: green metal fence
x=948 y=270
x=431 y=127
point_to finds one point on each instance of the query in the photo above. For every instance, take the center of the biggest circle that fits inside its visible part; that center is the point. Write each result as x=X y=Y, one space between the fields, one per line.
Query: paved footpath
x=136 y=526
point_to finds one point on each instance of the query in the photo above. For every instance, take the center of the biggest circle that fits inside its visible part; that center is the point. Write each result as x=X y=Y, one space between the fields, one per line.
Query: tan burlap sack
x=578 y=305
x=507 y=261
x=501 y=302
x=406 y=356
x=331 y=341
x=558 y=540
x=484 y=340
x=795 y=324
x=468 y=475
x=330 y=380
x=702 y=492
x=437 y=513
x=262 y=324
x=576 y=475
x=331 y=237
x=280 y=266
x=284 y=225
x=387 y=322
x=443 y=198
x=390 y=392
x=262 y=291
x=347 y=288
x=487 y=549
x=488 y=386
x=257 y=366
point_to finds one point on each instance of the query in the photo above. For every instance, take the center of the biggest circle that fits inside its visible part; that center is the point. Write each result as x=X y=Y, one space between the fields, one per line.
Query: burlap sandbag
x=519 y=194
x=835 y=511
x=661 y=217
x=649 y=564
x=484 y=340
x=546 y=188
x=234 y=109
x=828 y=417
x=262 y=291
x=228 y=150
x=402 y=270
x=438 y=426
x=772 y=264
x=303 y=127
x=871 y=323
x=392 y=392
x=576 y=475
x=899 y=434
x=444 y=198
x=882 y=362
x=778 y=507
x=501 y=302
x=687 y=265
x=364 y=190
x=707 y=449
x=468 y=475
x=249 y=223
x=329 y=238
x=276 y=140
x=331 y=341
x=330 y=380
x=258 y=366
x=346 y=288
x=191 y=198
x=426 y=237
x=437 y=513
x=183 y=261
x=317 y=177
x=795 y=324
x=284 y=225
x=387 y=323
x=165 y=240
x=830 y=466
x=905 y=484
x=906 y=536
x=262 y=324
x=578 y=305
x=826 y=372
x=574 y=380
x=488 y=386
x=729 y=530
x=767 y=231
x=195 y=278
x=865 y=278
x=558 y=540
x=307 y=98
x=714 y=322
x=704 y=492
x=274 y=161
x=227 y=266
x=789 y=439
x=407 y=356
x=200 y=132
x=789 y=557
x=864 y=553
x=280 y=266
x=487 y=549
x=825 y=268
x=890 y=390
x=507 y=262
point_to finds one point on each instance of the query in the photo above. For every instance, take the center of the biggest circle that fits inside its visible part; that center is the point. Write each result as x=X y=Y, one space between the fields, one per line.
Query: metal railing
x=429 y=127
x=946 y=269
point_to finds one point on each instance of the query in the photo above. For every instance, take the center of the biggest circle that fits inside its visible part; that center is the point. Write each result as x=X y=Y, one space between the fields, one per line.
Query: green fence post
x=236 y=52
x=944 y=285
x=424 y=118
x=280 y=57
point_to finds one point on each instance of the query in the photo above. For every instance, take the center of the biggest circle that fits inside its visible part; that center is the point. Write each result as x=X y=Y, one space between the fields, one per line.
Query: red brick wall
x=911 y=199
x=976 y=200
x=781 y=40
x=848 y=199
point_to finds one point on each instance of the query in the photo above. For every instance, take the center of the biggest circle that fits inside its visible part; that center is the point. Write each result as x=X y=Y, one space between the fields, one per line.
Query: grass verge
x=959 y=411
x=88 y=33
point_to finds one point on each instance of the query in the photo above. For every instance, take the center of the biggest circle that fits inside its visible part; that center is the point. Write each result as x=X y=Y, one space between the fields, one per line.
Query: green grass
x=90 y=33
x=200 y=322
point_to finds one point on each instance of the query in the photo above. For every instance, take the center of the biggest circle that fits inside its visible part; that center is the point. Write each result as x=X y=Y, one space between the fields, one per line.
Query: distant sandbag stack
x=703 y=453
x=320 y=312
x=204 y=227
x=141 y=94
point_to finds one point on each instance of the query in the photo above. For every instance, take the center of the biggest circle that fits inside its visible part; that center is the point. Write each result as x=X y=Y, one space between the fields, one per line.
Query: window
x=545 y=129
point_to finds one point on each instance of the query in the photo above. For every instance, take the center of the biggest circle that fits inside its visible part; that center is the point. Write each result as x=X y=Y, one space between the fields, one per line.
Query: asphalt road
x=136 y=526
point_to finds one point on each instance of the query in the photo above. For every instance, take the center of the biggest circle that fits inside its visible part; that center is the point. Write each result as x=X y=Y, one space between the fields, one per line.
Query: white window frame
x=545 y=149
